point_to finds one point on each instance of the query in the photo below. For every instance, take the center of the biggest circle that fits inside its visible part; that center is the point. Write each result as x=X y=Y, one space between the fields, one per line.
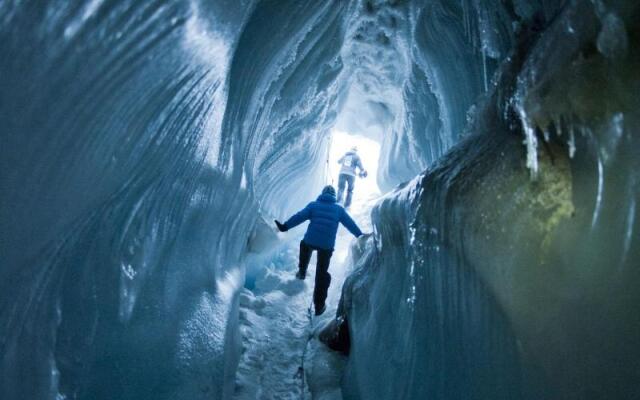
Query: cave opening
x=368 y=150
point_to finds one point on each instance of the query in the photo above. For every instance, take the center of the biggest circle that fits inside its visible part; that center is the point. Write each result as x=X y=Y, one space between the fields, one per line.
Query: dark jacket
x=325 y=215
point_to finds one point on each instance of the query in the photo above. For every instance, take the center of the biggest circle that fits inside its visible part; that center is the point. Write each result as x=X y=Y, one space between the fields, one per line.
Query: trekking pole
x=327 y=168
x=300 y=373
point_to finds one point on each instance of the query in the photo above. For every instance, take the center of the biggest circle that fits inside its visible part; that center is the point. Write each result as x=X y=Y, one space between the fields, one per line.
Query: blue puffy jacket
x=325 y=215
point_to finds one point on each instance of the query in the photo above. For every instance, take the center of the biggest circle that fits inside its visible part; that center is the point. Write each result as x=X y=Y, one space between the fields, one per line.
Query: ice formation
x=147 y=145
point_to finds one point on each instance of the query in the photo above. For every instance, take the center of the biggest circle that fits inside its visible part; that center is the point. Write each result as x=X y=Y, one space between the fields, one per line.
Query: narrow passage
x=275 y=325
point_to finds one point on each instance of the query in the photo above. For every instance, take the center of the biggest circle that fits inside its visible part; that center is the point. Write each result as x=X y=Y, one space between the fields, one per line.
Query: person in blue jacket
x=324 y=214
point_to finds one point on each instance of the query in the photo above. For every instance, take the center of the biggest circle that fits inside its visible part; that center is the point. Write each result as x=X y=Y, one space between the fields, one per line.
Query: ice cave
x=147 y=147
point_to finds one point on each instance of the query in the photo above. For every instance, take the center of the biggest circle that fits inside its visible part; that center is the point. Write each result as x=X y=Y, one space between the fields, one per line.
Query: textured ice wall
x=140 y=141
x=415 y=68
x=137 y=137
x=509 y=278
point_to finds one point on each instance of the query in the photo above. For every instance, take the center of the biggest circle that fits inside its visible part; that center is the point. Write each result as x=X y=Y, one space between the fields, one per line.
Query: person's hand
x=281 y=226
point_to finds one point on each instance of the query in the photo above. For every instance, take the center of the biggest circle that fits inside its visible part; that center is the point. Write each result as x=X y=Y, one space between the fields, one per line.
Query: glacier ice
x=499 y=257
x=147 y=145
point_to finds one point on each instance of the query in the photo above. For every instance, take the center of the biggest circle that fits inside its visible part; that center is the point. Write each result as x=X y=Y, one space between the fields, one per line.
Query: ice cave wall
x=415 y=68
x=512 y=274
x=141 y=142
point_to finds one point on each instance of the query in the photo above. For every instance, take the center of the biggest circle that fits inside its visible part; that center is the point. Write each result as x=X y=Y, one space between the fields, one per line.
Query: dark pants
x=323 y=278
x=349 y=181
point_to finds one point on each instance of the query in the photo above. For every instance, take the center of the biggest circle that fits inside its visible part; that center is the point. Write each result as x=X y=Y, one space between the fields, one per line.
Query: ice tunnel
x=147 y=145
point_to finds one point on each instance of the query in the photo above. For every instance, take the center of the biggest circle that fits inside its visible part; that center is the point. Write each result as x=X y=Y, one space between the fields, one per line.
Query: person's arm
x=298 y=217
x=350 y=224
x=360 y=164
x=341 y=160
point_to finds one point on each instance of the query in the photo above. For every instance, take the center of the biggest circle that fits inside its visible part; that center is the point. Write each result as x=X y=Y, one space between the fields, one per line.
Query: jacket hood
x=327 y=198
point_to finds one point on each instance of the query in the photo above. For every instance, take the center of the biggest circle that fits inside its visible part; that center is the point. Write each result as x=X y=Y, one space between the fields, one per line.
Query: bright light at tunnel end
x=369 y=152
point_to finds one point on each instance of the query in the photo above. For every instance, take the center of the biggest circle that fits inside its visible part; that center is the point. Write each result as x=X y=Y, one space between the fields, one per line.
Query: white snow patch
x=278 y=331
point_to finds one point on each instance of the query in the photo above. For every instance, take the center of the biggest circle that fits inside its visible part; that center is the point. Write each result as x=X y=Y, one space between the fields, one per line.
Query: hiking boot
x=321 y=309
x=301 y=275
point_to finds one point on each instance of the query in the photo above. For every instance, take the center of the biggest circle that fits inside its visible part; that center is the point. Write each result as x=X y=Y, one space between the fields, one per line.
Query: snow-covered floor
x=281 y=356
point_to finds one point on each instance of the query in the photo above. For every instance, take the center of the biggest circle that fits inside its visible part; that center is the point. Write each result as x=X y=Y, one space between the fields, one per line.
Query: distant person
x=349 y=163
x=325 y=215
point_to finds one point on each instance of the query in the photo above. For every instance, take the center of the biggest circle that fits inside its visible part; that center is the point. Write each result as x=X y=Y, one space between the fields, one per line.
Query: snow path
x=275 y=327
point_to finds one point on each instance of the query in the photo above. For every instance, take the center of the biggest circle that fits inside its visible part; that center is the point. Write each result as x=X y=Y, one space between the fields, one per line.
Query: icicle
x=531 y=141
x=610 y=142
x=243 y=181
x=411 y=299
x=559 y=126
x=585 y=131
x=596 y=211
x=128 y=295
x=572 y=144
x=631 y=217
x=484 y=69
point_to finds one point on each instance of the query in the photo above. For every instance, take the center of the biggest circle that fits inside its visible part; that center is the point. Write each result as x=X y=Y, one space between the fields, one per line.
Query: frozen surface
x=142 y=143
x=282 y=357
x=147 y=145
x=493 y=275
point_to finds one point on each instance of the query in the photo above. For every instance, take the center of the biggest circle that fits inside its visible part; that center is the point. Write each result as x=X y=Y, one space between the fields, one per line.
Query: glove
x=363 y=174
x=281 y=227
